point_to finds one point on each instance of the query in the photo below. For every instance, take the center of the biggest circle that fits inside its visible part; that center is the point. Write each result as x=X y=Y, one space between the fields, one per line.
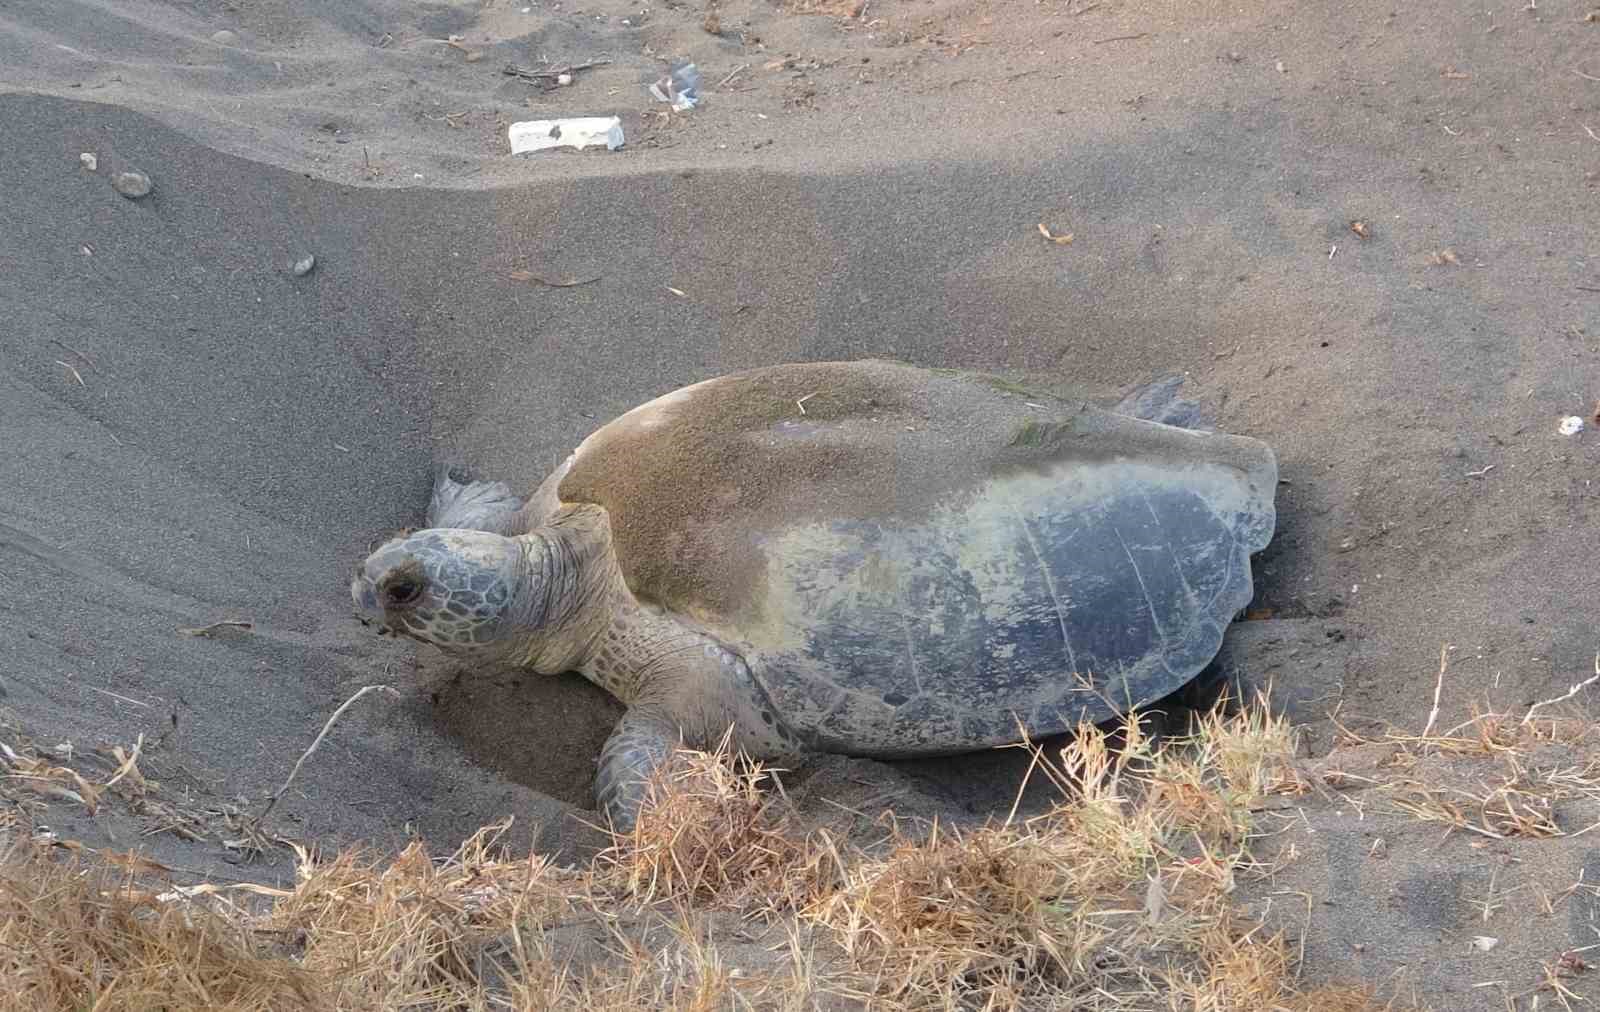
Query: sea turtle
x=864 y=557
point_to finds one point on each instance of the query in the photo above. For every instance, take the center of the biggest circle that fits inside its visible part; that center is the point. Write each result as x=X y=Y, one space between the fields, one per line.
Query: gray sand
x=191 y=433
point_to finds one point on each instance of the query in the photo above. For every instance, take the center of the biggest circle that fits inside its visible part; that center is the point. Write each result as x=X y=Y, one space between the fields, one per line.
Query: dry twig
x=1438 y=687
x=510 y=70
x=272 y=801
x=1569 y=693
x=206 y=630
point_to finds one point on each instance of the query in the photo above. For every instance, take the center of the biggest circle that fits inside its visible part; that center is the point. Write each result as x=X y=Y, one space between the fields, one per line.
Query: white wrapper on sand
x=541 y=134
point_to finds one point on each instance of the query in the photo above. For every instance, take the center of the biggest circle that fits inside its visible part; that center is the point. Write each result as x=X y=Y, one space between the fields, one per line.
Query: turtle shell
x=918 y=562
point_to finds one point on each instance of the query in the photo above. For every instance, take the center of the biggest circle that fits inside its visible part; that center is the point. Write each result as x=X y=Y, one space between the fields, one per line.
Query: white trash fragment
x=89 y=161
x=1570 y=425
x=562 y=80
x=541 y=134
x=1483 y=943
x=681 y=87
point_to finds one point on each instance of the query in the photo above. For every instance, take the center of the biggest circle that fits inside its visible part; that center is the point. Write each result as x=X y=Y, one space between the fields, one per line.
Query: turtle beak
x=366 y=586
x=388 y=587
x=365 y=596
x=364 y=593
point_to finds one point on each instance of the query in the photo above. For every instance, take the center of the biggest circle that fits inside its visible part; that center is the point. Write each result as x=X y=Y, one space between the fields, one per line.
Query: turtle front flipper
x=691 y=692
x=642 y=742
x=1158 y=401
x=474 y=505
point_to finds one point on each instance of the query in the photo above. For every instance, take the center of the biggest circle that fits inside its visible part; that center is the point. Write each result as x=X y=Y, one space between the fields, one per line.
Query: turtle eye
x=403 y=589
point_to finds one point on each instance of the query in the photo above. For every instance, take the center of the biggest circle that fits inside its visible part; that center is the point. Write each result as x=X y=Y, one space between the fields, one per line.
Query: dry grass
x=80 y=935
x=1116 y=898
x=412 y=931
x=1497 y=774
x=708 y=834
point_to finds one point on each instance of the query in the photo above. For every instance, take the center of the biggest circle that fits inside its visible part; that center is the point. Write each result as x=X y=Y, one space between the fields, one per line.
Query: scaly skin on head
x=531 y=601
x=556 y=600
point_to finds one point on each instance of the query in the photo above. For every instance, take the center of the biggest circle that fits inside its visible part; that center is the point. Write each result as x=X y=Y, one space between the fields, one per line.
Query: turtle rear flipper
x=1158 y=401
x=473 y=505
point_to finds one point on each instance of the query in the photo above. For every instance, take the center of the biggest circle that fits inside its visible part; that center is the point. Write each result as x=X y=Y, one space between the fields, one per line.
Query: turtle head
x=457 y=589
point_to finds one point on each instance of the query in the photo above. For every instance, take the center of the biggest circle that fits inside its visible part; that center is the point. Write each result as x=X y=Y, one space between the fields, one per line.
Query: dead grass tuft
x=1441 y=776
x=412 y=931
x=76 y=934
x=1118 y=897
x=1513 y=804
x=985 y=911
x=708 y=833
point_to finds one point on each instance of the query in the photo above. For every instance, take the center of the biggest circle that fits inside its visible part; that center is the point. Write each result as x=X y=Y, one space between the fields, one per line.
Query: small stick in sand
x=1569 y=693
x=735 y=72
x=570 y=283
x=511 y=70
x=73 y=371
x=113 y=695
x=272 y=801
x=801 y=403
x=206 y=630
x=1438 y=687
x=75 y=351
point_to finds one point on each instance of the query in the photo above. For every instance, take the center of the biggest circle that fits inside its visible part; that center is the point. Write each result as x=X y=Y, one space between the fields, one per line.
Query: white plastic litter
x=1570 y=425
x=681 y=87
x=581 y=132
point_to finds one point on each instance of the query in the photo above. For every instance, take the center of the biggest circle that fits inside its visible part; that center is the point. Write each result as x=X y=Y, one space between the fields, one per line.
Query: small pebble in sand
x=563 y=79
x=89 y=161
x=303 y=266
x=132 y=185
x=1570 y=425
x=225 y=38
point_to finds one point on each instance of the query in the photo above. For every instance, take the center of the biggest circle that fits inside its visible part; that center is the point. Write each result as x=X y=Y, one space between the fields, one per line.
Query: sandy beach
x=1365 y=234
